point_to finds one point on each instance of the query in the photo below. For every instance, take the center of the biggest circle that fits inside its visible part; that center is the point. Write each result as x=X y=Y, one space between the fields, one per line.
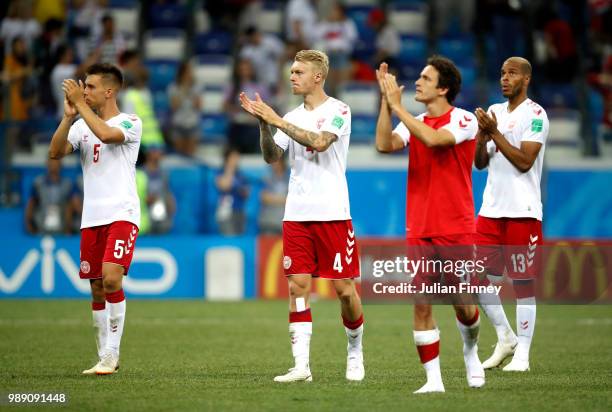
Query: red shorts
x=112 y=243
x=444 y=259
x=509 y=244
x=324 y=249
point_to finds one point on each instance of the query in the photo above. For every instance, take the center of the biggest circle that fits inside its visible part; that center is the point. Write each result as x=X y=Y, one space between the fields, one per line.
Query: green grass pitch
x=192 y=355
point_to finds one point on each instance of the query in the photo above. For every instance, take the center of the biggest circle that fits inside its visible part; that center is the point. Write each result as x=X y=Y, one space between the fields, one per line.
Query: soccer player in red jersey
x=439 y=203
x=318 y=235
x=108 y=142
x=509 y=225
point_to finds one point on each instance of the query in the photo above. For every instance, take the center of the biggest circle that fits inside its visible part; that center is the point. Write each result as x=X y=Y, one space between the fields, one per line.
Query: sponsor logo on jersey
x=536 y=125
x=85 y=267
x=126 y=124
x=286 y=262
x=337 y=122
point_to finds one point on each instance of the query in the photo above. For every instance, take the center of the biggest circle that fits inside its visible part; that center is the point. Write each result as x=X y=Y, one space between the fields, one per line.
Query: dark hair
x=449 y=76
x=107 y=71
x=128 y=55
x=182 y=69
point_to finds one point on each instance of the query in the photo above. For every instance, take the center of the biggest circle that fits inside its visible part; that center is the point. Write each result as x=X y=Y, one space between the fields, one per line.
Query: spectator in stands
x=336 y=36
x=185 y=107
x=137 y=99
x=300 y=19
x=273 y=196
x=110 y=42
x=85 y=23
x=444 y=13
x=233 y=191
x=48 y=210
x=19 y=23
x=160 y=201
x=66 y=68
x=388 y=42
x=243 y=131
x=562 y=55
x=45 y=52
x=265 y=51
x=20 y=84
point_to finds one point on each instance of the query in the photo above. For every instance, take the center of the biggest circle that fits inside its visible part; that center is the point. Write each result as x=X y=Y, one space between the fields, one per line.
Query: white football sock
x=469 y=334
x=491 y=304
x=355 y=337
x=116 y=320
x=525 y=325
x=429 y=339
x=300 y=333
x=100 y=324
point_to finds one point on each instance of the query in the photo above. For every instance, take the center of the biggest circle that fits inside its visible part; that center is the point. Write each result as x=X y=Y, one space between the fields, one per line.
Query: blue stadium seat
x=168 y=16
x=122 y=4
x=359 y=14
x=365 y=48
x=214 y=128
x=414 y=48
x=161 y=103
x=458 y=49
x=213 y=70
x=161 y=73
x=361 y=98
x=213 y=42
x=408 y=18
x=410 y=69
x=468 y=75
x=559 y=96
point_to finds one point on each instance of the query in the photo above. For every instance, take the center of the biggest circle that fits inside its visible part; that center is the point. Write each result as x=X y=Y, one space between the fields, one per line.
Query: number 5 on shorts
x=338 y=263
x=119 y=248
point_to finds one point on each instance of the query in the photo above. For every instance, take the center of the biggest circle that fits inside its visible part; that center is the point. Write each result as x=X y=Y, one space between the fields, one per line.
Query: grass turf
x=192 y=355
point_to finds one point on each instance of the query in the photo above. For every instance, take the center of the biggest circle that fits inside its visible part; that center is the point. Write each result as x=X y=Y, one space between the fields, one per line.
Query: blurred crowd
x=43 y=42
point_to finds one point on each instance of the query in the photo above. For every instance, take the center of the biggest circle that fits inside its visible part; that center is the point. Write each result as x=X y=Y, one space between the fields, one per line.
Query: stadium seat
x=414 y=48
x=270 y=19
x=363 y=129
x=557 y=96
x=161 y=73
x=564 y=142
x=126 y=19
x=201 y=21
x=409 y=69
x=112 y=4
x=212 y=100
x=353 y=3
x=365 y=46
x=164 y=16
x=359 y=15
x=214 y=128
x=408 y=18
x=361 y=98
x=164 y=44
x=161 y=103
x=213 y=70
x=459 y=49
x=468 y=75
x=213 y=42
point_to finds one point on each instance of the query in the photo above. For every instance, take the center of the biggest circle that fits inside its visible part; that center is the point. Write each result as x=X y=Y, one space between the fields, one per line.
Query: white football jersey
x=509 y=192
x=317 y=185
x=109 y=172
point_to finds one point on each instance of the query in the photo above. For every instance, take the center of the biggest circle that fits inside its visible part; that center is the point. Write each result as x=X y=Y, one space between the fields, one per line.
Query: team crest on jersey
x=320 y=122
x=85 y=267
x=287 y=262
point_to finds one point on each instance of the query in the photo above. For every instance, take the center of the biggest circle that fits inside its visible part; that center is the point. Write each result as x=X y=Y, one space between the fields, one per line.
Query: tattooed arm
x=317 y=141
x=271 y=151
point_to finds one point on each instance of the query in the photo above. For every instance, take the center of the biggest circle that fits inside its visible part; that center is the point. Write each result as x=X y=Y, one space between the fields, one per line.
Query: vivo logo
x=48 y=256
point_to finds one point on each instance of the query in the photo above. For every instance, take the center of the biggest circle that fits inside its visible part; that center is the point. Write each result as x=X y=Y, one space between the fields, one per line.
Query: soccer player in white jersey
x=511 y=143
x=108 y=142
x=318 y=236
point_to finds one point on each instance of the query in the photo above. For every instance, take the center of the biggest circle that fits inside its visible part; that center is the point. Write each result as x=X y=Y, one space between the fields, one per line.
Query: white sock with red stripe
x=492 y=306
x=428 y=346
x=525 y=325
x=116 y=320
x=300 y=331
x=100 y=324
x=469 y=333
x=354 y=333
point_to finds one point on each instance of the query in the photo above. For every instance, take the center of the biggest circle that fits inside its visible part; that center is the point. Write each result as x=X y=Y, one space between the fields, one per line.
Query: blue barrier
x=162 y=267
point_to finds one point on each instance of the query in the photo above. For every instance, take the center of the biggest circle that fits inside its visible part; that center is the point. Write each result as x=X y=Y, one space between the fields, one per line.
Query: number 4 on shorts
x=338 y=263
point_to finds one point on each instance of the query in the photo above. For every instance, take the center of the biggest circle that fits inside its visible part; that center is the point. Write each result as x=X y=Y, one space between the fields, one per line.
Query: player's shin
x=525 y=325
x=469 y=329
x=492 y=307
x=428 y=347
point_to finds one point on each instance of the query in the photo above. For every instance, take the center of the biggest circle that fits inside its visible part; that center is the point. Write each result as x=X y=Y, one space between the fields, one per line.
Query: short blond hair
x=317 y=58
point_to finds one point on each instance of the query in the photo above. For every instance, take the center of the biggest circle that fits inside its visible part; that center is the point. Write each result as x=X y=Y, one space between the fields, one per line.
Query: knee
x=296 y=291
x=346 y=295
x=422 y=312
x=97 y=291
